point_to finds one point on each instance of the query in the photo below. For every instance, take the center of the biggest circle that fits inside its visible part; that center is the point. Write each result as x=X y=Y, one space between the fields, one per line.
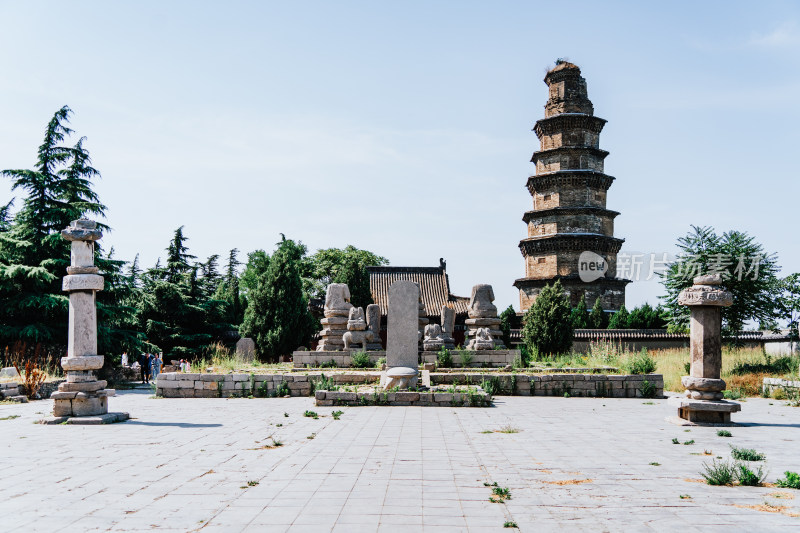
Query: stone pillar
x=448 y=327
x=703 y=403
x=82 y=398
x=402 y=355
x=483 y=315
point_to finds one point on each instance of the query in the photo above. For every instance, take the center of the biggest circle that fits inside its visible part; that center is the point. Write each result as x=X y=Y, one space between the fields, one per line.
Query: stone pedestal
x=82 y=398
x=337 y=311
x=357 y=332
x=703 y=403
x=402 y=355
x=483 y=315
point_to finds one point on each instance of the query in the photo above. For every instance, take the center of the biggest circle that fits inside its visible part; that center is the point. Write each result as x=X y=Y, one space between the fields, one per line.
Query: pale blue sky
x=404 y=127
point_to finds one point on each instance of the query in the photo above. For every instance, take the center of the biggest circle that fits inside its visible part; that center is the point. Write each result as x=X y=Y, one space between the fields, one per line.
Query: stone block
x=205 y=393
x=170 y=376
x=190 y=377
x=82 y=282
x=320 y=394
x=324 y=403
x=89 y=406
x=406 y=396
x=62 y=408
x=87 y=386
x=85 y=362
x=443 y=397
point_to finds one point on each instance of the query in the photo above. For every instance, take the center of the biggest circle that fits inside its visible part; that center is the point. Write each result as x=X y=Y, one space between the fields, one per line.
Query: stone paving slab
x=576 y=464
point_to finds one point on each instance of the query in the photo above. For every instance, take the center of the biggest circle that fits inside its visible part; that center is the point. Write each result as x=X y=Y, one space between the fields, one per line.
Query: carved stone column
x=82 y=399
x=703 y=402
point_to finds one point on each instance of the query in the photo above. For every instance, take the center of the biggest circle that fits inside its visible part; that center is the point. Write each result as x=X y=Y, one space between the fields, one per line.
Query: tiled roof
x=433 y=283
x=658 y=334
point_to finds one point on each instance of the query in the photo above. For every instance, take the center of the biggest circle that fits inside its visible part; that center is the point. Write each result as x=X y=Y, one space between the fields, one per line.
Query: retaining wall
x=178 y=385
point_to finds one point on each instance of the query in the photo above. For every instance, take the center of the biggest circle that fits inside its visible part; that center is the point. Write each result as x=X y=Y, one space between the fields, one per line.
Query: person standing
x=157 y=362
x=143 y=366
x=124 y=359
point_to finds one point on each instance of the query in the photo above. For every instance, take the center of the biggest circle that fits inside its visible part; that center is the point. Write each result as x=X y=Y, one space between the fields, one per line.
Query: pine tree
x=547 y=329
x=619 y=320
x=598 y=317
x=579 y=316
x=179 y=261
x=277 y=315
x=33 y=255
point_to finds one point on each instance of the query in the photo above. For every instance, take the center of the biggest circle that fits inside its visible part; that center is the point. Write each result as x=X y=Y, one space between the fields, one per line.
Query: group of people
x=150 y=365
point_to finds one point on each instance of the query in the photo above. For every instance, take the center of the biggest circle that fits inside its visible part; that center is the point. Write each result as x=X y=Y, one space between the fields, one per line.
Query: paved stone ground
x=184 y=465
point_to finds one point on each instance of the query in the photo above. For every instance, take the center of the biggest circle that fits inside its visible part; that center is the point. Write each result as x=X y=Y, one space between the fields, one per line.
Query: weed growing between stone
x=510 y=524
x=337 y=414
x=444 y=358
x=286 y=415
x=499 y=494
x=311 y=414
x=688 y=442
x=252 y=483
x=724 y=433
x=746 y=454
x=748 y=477
x=654 y=464
x=719 y=473
x=311 y=437
x=685 y=497
x=675 y=441
x=791 y=480
x=10 y=417
x=508 y=429
x=283 y=389
x=360 y=360
x=647 y=390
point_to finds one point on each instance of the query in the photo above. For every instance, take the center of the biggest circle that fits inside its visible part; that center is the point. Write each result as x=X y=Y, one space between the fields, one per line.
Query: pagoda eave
x=570 y=242
x=549 y=125
x=602 y=154
x=577 y=210
x=579 y=177
x=523 y=283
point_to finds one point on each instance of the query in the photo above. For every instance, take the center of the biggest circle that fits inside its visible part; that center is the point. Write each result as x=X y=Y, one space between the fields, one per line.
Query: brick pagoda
x=569 y=190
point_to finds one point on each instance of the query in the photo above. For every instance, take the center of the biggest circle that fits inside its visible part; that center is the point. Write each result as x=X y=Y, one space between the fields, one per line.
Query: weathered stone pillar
x=82 y=398
x=703 y=402
x=483 y=316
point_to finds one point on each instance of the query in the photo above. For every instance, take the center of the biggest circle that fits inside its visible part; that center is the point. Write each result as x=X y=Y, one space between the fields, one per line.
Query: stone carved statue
x=374 y=325
x=483 y=340
x=432 y=340
x=480 y=303
x=356 y=322
x=337 y=300
x=362 y=337
x=448 y=327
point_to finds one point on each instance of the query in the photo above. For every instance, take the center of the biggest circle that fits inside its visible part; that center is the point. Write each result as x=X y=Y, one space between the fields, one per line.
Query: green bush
x=444 y=358
x=791 y=481
x=719 y=473
x=781 y=365
x=648 y=390
x=360 y=360
x=548 y=328
x=640 y=363
x=466 y=358
x=748 y=477
x=746 y=454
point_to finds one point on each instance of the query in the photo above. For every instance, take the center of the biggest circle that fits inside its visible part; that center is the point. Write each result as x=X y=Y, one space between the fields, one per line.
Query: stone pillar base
x=107 y=418
x=702 y=412
x=92 y=403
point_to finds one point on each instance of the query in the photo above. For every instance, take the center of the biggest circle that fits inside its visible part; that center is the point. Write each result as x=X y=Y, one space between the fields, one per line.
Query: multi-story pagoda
x=569 y=213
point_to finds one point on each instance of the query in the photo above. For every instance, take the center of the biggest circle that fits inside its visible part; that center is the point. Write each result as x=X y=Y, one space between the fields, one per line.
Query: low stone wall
x=772 y=384
x=178 y=385
x=581 y=385
x=479 y=358
x=478 y=398
x=13 y=389
x=341 y=359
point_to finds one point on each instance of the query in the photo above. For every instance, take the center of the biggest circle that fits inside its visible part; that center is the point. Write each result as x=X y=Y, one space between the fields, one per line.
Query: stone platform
x=107 y=418
x=703 y=412
x=341 y=358
x=480 y=358
x=477 y=398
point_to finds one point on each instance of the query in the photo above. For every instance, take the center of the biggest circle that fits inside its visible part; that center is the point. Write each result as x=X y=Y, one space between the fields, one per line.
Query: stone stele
x=703 y=403
x=448 y=327
x=402 y=357
x=246 y=349
x=374 y=325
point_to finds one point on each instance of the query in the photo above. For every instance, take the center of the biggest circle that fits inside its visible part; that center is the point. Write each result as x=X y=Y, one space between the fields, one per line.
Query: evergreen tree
x=179 y=261
x=33 y=255
x=647 y=317
x=254 y=270
x=598 y=318
x=277 y=315
x=748 y=272
x=210 y=277
x=508 y=320
x=547 y=329
x=229 y=291
x=579 y=316
x=619 y=320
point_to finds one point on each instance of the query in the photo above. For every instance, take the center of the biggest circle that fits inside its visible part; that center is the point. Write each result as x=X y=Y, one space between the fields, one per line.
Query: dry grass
x=781 y=495
x=222 y=360
x=768 y=508
x=671 y=364
x=568 y=482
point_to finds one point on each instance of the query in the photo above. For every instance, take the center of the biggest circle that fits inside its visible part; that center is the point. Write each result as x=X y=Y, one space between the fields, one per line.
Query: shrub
x=778 y=394
x=719 y=473
x=747 y=477
x=466 y=358
x=491 y=386
x=648 y=390
x=32 y=378
x=791 y=481
x=724 y=433
x=444 y=358
x=380 y=362
x=547 y=322
x=282 y=389
x=640 y=363
x=781 y=365
x=746 y=454
x=360 y=360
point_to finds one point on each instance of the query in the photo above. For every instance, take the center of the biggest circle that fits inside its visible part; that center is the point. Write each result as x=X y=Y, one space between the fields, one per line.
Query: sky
x=404 y=128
